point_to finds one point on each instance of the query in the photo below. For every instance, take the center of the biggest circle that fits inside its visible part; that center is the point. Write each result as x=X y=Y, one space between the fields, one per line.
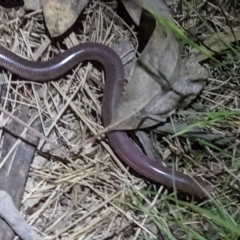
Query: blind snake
x=123 y=146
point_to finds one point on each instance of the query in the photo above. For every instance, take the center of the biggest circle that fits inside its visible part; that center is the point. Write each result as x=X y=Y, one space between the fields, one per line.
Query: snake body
x=119 y=141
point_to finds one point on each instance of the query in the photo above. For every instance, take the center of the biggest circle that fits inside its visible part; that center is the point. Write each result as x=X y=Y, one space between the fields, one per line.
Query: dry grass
x=92 y=195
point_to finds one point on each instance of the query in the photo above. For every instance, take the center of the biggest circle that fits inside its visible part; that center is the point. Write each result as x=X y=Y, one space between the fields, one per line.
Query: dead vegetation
x=92 y=195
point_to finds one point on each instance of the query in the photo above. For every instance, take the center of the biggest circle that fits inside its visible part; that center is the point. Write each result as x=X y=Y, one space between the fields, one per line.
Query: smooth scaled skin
x=119 y=141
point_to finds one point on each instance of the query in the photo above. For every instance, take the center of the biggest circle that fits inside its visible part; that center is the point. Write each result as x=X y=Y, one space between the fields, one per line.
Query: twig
x=32 y=130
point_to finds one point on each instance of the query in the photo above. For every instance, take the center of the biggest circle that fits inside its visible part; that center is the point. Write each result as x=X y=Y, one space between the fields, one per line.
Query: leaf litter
x=105 y=188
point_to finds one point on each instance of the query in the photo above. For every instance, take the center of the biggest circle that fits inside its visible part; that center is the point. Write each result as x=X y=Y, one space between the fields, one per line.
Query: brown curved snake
x=119 y=141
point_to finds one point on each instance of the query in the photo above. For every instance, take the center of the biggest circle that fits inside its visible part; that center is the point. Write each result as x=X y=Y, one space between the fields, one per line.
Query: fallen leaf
x=60 y=15
x=133 y=9
x=188 y=128
x=32 y=4
x=161 y=82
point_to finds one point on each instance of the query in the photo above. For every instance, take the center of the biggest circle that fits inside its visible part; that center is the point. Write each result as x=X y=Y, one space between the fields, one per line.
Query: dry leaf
x=161 y=82
x=32 y=4
x=134 y=10
x=195 y=131
x=61 y=14
x=160 y=7
x=149 y=149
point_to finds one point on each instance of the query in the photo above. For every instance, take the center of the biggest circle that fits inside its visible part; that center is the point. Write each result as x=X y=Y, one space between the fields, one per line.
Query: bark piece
x=14 y=172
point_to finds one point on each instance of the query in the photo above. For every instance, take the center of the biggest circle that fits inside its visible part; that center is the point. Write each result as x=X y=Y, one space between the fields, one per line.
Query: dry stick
x=73 y=106
x=18 y=19
x=32 y=130
x=127 y=215
x=78 y=147
x=73 y=223
x=112 y=126
x=48 y=202
x=106 y=201
x=15 y=144
x=146 y=215
x=107 y=129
